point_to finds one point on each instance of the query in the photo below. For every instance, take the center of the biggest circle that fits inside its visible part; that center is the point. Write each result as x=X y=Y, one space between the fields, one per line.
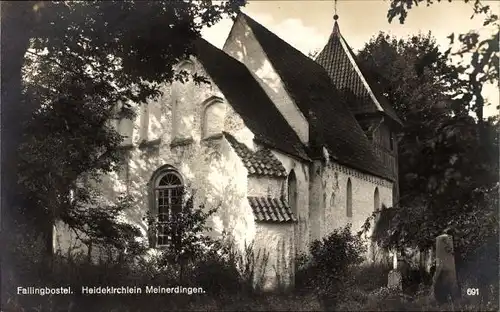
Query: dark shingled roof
x=267 y=209
x=310 y=86
x=249 y=100
x=335 y=59
x=261 y=162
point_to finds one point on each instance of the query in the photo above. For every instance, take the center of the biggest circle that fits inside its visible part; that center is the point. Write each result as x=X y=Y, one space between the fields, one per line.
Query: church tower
x=370 y=108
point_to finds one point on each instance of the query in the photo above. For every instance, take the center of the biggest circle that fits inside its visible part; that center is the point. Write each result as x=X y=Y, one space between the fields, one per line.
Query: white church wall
x=316 y=201
x=301 y=170
x=209 y=167
x=275 y=243
x=364 y=186
x=329 y=199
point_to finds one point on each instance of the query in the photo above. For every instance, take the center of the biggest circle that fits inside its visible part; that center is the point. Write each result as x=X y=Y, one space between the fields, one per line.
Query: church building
x=286 y=147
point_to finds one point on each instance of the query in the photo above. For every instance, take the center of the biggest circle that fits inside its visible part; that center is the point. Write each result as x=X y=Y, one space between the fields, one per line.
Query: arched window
x=292 y=192
x=123 y=123
x=376 y=200
x=349 y=199
x=155 y=120
x=168 y=191
x=126 y=128
x=186 y=66
x=144 y=122
x=181 y=98
x=213 y=118
x=394 y=194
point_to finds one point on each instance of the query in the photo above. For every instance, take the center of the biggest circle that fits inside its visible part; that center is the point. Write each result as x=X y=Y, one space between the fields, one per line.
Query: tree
x=484 y=53
x=447 y=176
x=65 y=66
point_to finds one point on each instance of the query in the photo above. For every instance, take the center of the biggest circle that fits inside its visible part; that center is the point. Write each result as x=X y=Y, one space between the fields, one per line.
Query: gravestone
x=395 y=280
x=445 y=283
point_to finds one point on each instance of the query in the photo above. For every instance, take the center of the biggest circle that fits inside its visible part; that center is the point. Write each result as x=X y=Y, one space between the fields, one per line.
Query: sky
x=307 y=24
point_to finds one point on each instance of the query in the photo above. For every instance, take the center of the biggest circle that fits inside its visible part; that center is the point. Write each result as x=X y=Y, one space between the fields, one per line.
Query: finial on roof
x=335 y=17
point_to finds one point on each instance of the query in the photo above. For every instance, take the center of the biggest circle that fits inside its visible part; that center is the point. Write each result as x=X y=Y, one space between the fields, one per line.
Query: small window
x=376 y=200
x=349 y=199
x=394 y=194
x=292 y=192
x=213 y=118
x=123 y=123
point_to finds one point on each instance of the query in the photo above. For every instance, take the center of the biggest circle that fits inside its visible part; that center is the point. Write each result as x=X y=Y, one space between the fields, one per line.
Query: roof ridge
x=372 y=85
x=381 y=103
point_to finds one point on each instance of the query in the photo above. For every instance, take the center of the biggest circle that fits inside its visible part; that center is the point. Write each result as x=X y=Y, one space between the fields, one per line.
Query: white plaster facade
x=174 y=130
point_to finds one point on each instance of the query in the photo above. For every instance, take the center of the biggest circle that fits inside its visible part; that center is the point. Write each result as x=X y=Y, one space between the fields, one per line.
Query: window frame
x=348 y=209
x=376 y=199
x=160 y=218
x=214 y=100
x=292 y=198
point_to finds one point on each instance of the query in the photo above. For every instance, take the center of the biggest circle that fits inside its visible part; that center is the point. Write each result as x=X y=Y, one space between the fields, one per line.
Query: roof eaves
x=359 y=73
x=270 y=145
x=352 y=59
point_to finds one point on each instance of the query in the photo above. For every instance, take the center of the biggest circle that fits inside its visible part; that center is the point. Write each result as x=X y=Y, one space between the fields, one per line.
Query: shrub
x=371 y=276
x=328 y=270
x=217 y=272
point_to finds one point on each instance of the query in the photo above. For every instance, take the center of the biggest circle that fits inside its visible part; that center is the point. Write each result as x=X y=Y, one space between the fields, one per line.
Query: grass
x=226 y=289
x=366 y=293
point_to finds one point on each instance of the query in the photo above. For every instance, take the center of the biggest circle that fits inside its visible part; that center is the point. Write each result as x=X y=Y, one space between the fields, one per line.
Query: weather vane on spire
x=335 y=17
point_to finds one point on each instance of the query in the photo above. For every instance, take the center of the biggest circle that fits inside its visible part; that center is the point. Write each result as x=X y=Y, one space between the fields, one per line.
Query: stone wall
x=281 y=242
x=335 y=177
x=328 y=202
x=301 y=170
x=275 y=242
x=317 y=199
x=168 y=131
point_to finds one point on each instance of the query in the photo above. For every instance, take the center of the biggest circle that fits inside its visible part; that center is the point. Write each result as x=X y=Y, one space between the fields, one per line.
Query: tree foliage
x=66 y=66
x=483 y=52
x=327 y=270
x=448 y=176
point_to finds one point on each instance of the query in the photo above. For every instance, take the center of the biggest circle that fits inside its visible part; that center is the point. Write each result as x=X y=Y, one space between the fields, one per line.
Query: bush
x=372 y=276
x=327 y=272
x=218 y=271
